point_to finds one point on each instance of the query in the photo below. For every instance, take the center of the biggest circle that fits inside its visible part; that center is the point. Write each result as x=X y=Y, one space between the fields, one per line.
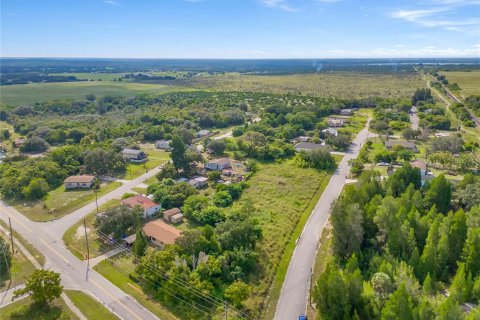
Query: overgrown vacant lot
x=279 y=195
x=340 y=85
x=469 y=81
x=20 y=94
x=25 y=309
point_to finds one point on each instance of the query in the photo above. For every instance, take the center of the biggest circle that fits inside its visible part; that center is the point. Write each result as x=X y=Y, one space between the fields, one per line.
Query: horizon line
x=264 y=58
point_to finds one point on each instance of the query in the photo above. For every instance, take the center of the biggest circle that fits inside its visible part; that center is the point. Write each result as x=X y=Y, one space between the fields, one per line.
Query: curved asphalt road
x=47 y=238
x=295 y=289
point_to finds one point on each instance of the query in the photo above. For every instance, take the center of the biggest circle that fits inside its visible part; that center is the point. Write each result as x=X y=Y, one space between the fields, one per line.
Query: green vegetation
x=468 y=81
x=389 y=238
x=20 y=266
x=112 y=270
x=155 y=158
x=89 y=306
x=60 y=202
x=43 y=286
x=24 y=94
x=26 y=309
x=360 y=85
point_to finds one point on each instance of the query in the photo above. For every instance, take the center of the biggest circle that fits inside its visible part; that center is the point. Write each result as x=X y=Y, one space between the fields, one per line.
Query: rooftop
x=139 y=200
x=220 y=161
x=79 y=179
x=131 y=151
x=419 y=164
x=161 y=231
x=171 y=212
x=308 y=146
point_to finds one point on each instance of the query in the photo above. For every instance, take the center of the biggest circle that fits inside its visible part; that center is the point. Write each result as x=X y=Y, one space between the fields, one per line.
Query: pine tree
x=439 y=193
x=140 y=244
x=460 y=288
x=399 y=306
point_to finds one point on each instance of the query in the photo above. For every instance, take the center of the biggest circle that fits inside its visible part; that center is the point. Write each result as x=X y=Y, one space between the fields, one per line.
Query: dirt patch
x=80 y=232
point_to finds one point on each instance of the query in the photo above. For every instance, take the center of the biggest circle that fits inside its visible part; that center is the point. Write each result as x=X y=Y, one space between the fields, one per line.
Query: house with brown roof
x=168 y=214
x=420 y=165
x=149 y=206
x=160 y=233
x=79 y=182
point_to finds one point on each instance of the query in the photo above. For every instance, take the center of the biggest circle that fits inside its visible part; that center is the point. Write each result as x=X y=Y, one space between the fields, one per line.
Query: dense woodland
x=402 y=250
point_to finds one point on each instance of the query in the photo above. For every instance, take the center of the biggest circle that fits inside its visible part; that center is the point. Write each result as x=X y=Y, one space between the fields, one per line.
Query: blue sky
x=240 y=28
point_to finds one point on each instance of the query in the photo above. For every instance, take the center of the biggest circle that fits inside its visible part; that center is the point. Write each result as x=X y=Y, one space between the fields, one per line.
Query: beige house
x=160 y=233
x=149 y=206
x=79 y=182
x=218 y=164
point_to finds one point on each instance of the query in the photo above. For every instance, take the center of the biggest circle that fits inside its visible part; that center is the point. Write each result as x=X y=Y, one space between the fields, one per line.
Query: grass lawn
x=74 y=237
x=89 y=306
x=117 y=274
x=33 y=251
x=469 y=81
x=356 y=122
x=20 y=94
x=61 y=202
x=20 y=269
x=282 y=197
x=156 y=157
x=25 y=309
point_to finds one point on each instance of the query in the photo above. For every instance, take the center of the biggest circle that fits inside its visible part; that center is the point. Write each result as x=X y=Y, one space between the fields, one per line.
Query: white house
x=331 y=131
x=218 y=164
x=202 y=133
x=163 y=144
x=149 y=206
x=79 y=182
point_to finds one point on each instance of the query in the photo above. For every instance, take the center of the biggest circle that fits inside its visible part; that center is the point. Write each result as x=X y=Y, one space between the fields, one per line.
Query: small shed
x=130 y=240
x=168 y=214
x=176 y=218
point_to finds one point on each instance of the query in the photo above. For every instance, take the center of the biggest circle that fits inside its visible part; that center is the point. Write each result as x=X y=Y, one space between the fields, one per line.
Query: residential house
x=130 y=240
x=218 y=164
x=198 y=182
x=18 y=142
x=302 y=139
x=308 y=146
x=202 y=133
x=336 y=122
x=160 y=233
x=346 y=112
x=163 y=144
x=149 y=206
x=420 y=165
x=133 y=155
x=79 y=182
x=331 y=131
x=168 y=214
x=410 y=145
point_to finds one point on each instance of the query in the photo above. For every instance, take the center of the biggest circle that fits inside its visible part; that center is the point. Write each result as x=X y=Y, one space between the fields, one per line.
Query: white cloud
x=280 y=4
x=112 y=2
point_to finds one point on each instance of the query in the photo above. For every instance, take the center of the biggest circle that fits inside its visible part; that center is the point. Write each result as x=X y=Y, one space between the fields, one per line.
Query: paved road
x=47 y=238
x=295 y=289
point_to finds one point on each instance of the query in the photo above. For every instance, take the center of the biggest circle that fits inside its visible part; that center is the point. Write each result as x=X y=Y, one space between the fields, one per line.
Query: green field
x=118 y=275
x=339 y=85
x=74 y=238
x=469 y=81
x=25 y=309
x=282 y=196
x=90 y=307
x=20 y=269
x=21 y=94
x=59 y=202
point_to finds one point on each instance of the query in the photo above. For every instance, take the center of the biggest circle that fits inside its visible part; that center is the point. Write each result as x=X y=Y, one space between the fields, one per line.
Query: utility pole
x=88 y=249
x=225 y=307
x=11 y=234
x=96 y=199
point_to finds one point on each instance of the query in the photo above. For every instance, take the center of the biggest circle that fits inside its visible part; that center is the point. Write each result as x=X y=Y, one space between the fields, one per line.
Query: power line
x=214 y=301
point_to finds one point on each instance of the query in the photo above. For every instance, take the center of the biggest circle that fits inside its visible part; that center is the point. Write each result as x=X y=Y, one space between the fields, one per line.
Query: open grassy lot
x=89 y=306
x=20 y=94
x=74 y=237
x=116 y=270
x=59 y=202
x=281 y=196
x=33 y=251
x=469 y=81
x=20 y=269
x=340 y=85
x=25 y=309
x=156 y=157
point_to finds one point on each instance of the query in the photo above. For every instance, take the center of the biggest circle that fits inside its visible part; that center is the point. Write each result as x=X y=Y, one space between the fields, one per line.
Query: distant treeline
x=27 y=77
x=253 y=66
x=143 y=77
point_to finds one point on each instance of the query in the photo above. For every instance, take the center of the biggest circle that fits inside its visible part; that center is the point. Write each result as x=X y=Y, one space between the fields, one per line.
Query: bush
x=318 y=159
x=222 y=199
x=127 y=195
x=35 y=144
